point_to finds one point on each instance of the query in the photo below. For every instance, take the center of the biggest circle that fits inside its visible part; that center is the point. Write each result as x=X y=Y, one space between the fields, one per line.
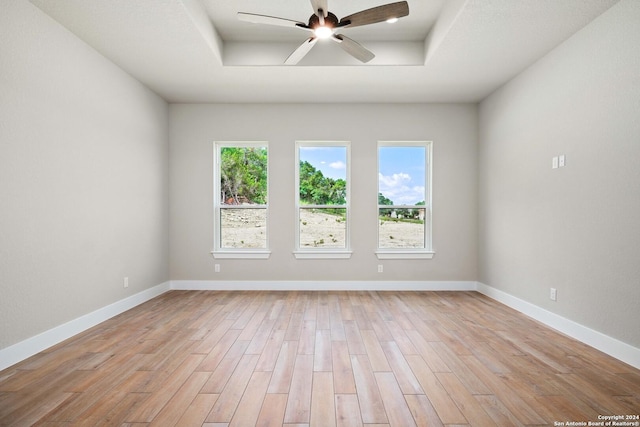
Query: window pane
x=323 y=175
x=401 y=175
x=401 y=228
x=243 y=228
x=243 y=175
x=323 y=228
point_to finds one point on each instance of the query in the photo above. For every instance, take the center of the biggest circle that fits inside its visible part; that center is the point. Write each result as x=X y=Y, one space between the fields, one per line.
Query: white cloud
x=400 y=189
x=338 y=165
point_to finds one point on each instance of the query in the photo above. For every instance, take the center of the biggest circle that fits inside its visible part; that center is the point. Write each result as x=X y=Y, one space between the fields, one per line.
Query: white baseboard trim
x=304 y=285
x=611 y=346
x=18 y=352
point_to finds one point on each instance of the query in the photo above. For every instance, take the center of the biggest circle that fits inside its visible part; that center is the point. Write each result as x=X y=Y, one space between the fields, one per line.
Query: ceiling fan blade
x=353 y=48
x=320 y=4
x=376 y=14
x=301 y=51
x=271 y=20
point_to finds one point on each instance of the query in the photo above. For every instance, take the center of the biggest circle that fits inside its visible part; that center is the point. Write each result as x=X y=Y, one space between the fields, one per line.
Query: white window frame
x=235 y=253
x=410 y=253
x=323 y=253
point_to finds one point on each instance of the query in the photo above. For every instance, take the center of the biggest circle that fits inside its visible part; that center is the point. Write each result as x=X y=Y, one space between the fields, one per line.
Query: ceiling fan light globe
x=323 y=32
x=392 y=20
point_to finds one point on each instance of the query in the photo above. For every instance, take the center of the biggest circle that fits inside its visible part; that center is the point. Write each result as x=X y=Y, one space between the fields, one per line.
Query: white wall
x=576 y=228
x=83 y=178
x=452 y=128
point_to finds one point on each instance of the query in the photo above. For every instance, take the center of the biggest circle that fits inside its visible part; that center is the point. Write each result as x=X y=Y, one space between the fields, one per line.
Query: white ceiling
x=444 y=51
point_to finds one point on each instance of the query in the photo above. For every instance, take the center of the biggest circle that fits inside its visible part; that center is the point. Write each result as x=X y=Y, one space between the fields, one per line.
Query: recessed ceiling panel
x=415 y=27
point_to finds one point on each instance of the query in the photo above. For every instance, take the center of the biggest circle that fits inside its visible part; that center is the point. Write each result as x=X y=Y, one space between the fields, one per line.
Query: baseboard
x=16 y=353
x=611 y=346
x=303 y=285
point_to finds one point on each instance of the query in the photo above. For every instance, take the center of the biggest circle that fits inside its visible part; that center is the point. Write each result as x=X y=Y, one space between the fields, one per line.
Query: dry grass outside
x=400 y=234
x=322 y=230
x=243 y=228
x=247 y=228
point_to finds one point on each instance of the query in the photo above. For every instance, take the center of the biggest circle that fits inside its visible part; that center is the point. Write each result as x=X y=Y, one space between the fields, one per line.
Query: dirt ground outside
x=246 y=228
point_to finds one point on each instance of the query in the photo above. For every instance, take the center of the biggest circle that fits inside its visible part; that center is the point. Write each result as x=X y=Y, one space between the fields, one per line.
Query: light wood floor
x=192 y=358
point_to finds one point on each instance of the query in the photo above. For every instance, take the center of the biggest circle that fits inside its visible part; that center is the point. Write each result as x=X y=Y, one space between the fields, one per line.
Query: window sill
x=260 y=254
x=404 y=255
x=322 y=254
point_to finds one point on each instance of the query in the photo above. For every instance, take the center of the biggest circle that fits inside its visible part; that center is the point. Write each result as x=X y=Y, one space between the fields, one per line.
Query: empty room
x=320 y=213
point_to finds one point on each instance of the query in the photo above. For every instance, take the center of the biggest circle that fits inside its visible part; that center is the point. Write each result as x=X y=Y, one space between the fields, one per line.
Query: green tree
x=316 y=189
x=382 y=200
x=243 y=174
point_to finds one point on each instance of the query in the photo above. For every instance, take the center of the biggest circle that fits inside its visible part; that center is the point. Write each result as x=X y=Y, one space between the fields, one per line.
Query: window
x=404 y=200
x=322 y=200
x=240 y=200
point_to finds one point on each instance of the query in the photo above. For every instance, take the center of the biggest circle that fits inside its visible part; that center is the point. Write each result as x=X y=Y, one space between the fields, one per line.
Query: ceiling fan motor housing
x=330 y=21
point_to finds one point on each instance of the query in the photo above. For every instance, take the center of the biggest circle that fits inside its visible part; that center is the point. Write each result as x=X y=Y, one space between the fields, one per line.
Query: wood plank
x=371 y=406
x=299 y=401
x=354 y=340
x=272 y=411
x=197 y=411
x=206 y=345
x=94 y=414
x=445 y=407
x=225 y=368
x=269 y=355
x=472 y=410
x=219 y=350
x=229 y=398
x=422 y=410
x=496 y=410
x=400 y=337
x=374 y=350
x=156 y=402
x=510 y=399
x=34 y=413
x=409 y=384
x=343 y=380
x=380 y=327
x=283 y=371
x=307 y=341
x=322 y=401
x=322 y=353
x=323 y=318
x=348 y=411
x=252 y=399
x=260 y=338
x=176 y=407
x=395 y=406
x=424 y=348
x=468 y=378
x=336 y=321
x=119 y=413
x=294 y=328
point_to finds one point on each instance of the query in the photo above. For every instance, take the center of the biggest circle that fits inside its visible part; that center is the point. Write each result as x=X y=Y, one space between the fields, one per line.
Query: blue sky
x=332 y=161
x=401 y=175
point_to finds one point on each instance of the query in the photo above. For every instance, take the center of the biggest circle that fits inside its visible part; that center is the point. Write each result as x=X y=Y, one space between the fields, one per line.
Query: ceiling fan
x=324 y=24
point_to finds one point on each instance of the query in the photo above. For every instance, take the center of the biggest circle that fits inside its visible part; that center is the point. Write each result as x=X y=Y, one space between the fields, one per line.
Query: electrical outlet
x=125 y=282
x=380 y=268
x=561 y=161
x=553 y=294
x=216 y=268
